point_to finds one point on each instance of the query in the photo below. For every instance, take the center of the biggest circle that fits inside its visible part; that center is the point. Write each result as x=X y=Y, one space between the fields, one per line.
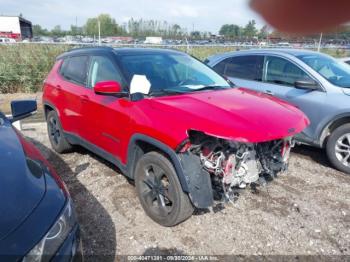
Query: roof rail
x=90 y=47
x=83 y=48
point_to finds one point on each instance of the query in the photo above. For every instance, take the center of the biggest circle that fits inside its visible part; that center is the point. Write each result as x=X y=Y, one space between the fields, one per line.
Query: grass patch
x=23 y=67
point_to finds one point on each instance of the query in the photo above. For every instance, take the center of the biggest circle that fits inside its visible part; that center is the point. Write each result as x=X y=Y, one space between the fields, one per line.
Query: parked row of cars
x=6 y=40
x=185 y=133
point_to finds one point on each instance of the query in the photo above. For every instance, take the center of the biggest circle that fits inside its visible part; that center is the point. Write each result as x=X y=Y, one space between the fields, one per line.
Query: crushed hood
x=236 y=114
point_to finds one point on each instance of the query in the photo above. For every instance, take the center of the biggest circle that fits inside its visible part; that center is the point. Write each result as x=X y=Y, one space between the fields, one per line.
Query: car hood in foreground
x=22 y=185
x=237 y=114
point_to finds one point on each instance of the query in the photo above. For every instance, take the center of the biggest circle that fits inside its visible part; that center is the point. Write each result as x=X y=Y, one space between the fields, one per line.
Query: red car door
x=104 y=118
x=70 y=86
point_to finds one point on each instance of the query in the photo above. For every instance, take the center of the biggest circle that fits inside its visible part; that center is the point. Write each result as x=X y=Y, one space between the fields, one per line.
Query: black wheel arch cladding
x=193 y=178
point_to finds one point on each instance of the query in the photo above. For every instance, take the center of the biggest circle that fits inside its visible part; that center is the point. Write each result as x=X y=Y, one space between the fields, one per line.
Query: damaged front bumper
x=214 y=167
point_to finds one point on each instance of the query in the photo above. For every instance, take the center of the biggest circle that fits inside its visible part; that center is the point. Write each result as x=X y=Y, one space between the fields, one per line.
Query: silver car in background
x=316 y=83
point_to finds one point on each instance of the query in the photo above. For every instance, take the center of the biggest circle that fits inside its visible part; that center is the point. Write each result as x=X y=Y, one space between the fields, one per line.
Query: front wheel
x=338 y=148
x=57 y=140
x=160 y=192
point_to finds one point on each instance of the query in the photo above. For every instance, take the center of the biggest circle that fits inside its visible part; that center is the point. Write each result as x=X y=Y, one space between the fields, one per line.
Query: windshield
x=171 y=73
x=336 y=72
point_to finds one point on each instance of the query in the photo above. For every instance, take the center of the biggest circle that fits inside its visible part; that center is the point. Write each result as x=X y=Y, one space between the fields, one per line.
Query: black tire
x=160 y=192
x=337 y=150
x=56 y=136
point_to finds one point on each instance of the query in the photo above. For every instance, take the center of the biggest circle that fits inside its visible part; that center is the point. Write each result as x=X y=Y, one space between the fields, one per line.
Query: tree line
x=248 y=31
x=139 y=28
x=109 y=27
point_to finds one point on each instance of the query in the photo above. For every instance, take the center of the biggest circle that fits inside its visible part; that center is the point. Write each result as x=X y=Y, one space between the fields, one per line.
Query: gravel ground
x=306 y=211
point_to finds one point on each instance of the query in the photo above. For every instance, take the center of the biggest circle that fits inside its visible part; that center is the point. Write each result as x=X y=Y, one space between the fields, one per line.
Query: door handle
x=58 y=87
x=269 y=92
x=84 y=98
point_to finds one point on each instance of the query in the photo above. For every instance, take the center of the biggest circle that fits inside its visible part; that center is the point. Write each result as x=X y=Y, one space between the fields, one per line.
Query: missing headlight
x=233 y=164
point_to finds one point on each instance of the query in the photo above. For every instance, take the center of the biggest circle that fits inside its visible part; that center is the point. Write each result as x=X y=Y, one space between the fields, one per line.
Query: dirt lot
x=304 y=212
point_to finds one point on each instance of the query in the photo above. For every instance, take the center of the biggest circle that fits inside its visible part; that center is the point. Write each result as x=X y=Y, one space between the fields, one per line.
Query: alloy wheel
x=157 y=192
x=342 y=149
x=54 y=131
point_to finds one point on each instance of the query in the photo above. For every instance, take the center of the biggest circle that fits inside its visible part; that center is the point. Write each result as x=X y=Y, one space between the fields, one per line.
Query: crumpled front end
x=233 y=165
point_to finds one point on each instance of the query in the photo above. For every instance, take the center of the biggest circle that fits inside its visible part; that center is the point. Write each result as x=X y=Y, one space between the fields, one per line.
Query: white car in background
x=5 y=40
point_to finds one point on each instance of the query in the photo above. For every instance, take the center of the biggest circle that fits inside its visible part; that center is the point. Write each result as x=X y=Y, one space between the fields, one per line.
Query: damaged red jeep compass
x=184 y=134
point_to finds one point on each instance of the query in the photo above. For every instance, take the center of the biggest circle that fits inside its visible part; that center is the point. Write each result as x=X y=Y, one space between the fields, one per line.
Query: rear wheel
x=159 y=190
x=338 y=148
x=54 y=129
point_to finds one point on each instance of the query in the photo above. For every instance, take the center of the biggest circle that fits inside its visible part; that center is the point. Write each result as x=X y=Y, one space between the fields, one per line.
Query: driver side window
x=102 y=69
x=280 y=71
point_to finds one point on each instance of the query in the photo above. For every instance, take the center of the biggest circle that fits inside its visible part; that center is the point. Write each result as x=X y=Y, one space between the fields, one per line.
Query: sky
x=202 y=15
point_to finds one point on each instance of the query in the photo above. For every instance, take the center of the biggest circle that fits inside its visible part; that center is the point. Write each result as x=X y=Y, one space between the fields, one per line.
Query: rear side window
x=75 y=69
x=243 y=67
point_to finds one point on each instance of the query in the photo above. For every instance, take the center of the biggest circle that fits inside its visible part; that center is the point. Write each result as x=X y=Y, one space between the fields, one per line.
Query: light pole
x=319 y=43
x=99 y=32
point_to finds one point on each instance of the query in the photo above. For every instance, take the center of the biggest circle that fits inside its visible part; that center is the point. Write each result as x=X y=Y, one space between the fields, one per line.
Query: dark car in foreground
x=37 y=217
x=316 y=83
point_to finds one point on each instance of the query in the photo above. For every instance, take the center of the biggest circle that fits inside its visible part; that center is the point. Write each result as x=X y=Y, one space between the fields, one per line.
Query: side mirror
x=306 y=84
x=22 y=108
x=109 y=88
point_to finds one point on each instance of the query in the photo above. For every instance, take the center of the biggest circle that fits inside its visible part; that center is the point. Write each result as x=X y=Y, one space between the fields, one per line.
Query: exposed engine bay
x=235 y=165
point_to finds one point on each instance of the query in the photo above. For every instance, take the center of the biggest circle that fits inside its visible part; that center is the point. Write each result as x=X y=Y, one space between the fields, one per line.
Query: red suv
x=184 y=134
